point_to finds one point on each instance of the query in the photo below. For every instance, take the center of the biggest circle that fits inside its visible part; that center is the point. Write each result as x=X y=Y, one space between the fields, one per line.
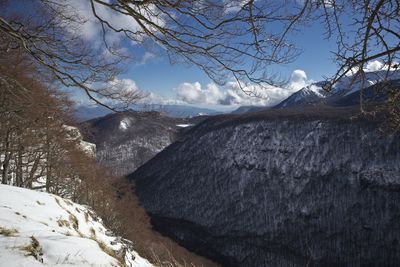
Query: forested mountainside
x=128 y=139
x=281 y=188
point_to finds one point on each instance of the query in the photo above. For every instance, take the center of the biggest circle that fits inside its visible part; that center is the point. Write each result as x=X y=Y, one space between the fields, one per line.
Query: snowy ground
x=40 y=229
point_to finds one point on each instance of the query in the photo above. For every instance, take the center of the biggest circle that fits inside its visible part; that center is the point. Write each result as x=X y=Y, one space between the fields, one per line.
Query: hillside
x=126 y=140
x=293 y=187
x=40 y=229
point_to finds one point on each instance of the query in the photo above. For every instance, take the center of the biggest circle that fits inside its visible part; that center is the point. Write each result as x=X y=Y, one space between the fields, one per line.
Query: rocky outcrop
x=298 y=189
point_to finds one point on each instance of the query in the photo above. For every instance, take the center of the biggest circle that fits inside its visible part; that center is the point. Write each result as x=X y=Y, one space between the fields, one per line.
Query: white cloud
x=89 y=28
x=193 y=93
x=233 y=94
x=377 y=65
x=119 y=92
x=148 y=56
x=233 y=6
x=298 y=80
x=374 y=66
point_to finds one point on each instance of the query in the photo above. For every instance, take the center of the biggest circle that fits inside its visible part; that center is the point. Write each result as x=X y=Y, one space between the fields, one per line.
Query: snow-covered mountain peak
x=316 y=94
x=350 y=84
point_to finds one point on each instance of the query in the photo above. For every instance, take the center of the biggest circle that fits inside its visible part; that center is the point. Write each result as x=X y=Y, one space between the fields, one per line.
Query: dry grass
x=112 y=253
x=34 y=249
x=63 y=223
x=74 y=221
x=68 y=202
x=40 y=203
x=23 y=216
x=92 y=232
x=8 y=232
x=58 y=201
x=86 y=216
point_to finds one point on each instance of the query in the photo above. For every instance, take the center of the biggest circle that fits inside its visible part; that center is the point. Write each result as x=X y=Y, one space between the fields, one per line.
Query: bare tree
x=239 y=38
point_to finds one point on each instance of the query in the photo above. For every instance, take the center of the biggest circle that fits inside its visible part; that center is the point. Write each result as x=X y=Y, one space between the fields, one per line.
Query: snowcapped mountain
x=309 y=95
x=348 y=84
x=314 y=94
x=40 y=229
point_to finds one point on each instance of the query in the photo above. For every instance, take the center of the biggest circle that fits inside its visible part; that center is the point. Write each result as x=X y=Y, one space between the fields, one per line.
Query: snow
x=88 y=148
x=317 y=90
x=349 y=85
x=184 y=125
x=50 y=219
x=75 y=134
x=125 y=124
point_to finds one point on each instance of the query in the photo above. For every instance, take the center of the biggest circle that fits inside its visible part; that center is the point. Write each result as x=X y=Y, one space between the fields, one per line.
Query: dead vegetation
x=63 y=223
x=114 y=201
x=34 y=249
x=112 y=253
x=40 y=203
x=9 y=232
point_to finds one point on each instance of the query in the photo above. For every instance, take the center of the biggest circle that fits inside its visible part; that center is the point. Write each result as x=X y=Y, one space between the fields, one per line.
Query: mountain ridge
x=255 y=189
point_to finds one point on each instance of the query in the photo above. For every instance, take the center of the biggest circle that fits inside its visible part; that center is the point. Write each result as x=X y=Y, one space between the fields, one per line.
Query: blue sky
x=182 y=84
x=158 y=76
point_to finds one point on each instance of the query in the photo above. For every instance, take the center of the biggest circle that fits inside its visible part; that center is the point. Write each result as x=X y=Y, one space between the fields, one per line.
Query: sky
x=315 y=60
x=166 y=83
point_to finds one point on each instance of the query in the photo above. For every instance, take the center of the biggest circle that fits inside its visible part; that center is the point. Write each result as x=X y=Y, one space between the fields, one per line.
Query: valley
x=293 y=189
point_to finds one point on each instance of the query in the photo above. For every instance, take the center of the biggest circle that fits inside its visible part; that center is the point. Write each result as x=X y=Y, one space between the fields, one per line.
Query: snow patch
x=317 y=90
x=184 y=125
x=125 y=124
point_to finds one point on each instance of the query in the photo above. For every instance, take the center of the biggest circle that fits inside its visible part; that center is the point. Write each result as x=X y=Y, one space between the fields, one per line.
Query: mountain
x=284 y=187
x=128 y=139
x=248 y=109
x=376 y=93
x=309 y=95
x=40 y=229
x=373 y=85
x=179 y=111
x=84 y=113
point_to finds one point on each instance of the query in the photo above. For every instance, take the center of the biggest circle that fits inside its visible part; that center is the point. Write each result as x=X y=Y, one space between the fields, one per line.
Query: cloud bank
x=232 y=94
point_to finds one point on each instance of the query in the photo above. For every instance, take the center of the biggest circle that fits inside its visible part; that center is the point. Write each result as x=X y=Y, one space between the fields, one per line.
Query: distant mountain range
x=83 y=113
x=248 y=109
x=345 y=93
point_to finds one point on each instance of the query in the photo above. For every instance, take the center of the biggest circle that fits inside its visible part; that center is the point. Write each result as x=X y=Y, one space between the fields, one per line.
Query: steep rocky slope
x=293 y=188
x=126 y=140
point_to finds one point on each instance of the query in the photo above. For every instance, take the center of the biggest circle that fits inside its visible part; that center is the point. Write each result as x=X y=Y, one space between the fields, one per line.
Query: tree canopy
x=240 y=39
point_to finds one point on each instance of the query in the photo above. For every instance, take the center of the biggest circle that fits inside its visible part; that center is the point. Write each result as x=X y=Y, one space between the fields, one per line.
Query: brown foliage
x=113 y=199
